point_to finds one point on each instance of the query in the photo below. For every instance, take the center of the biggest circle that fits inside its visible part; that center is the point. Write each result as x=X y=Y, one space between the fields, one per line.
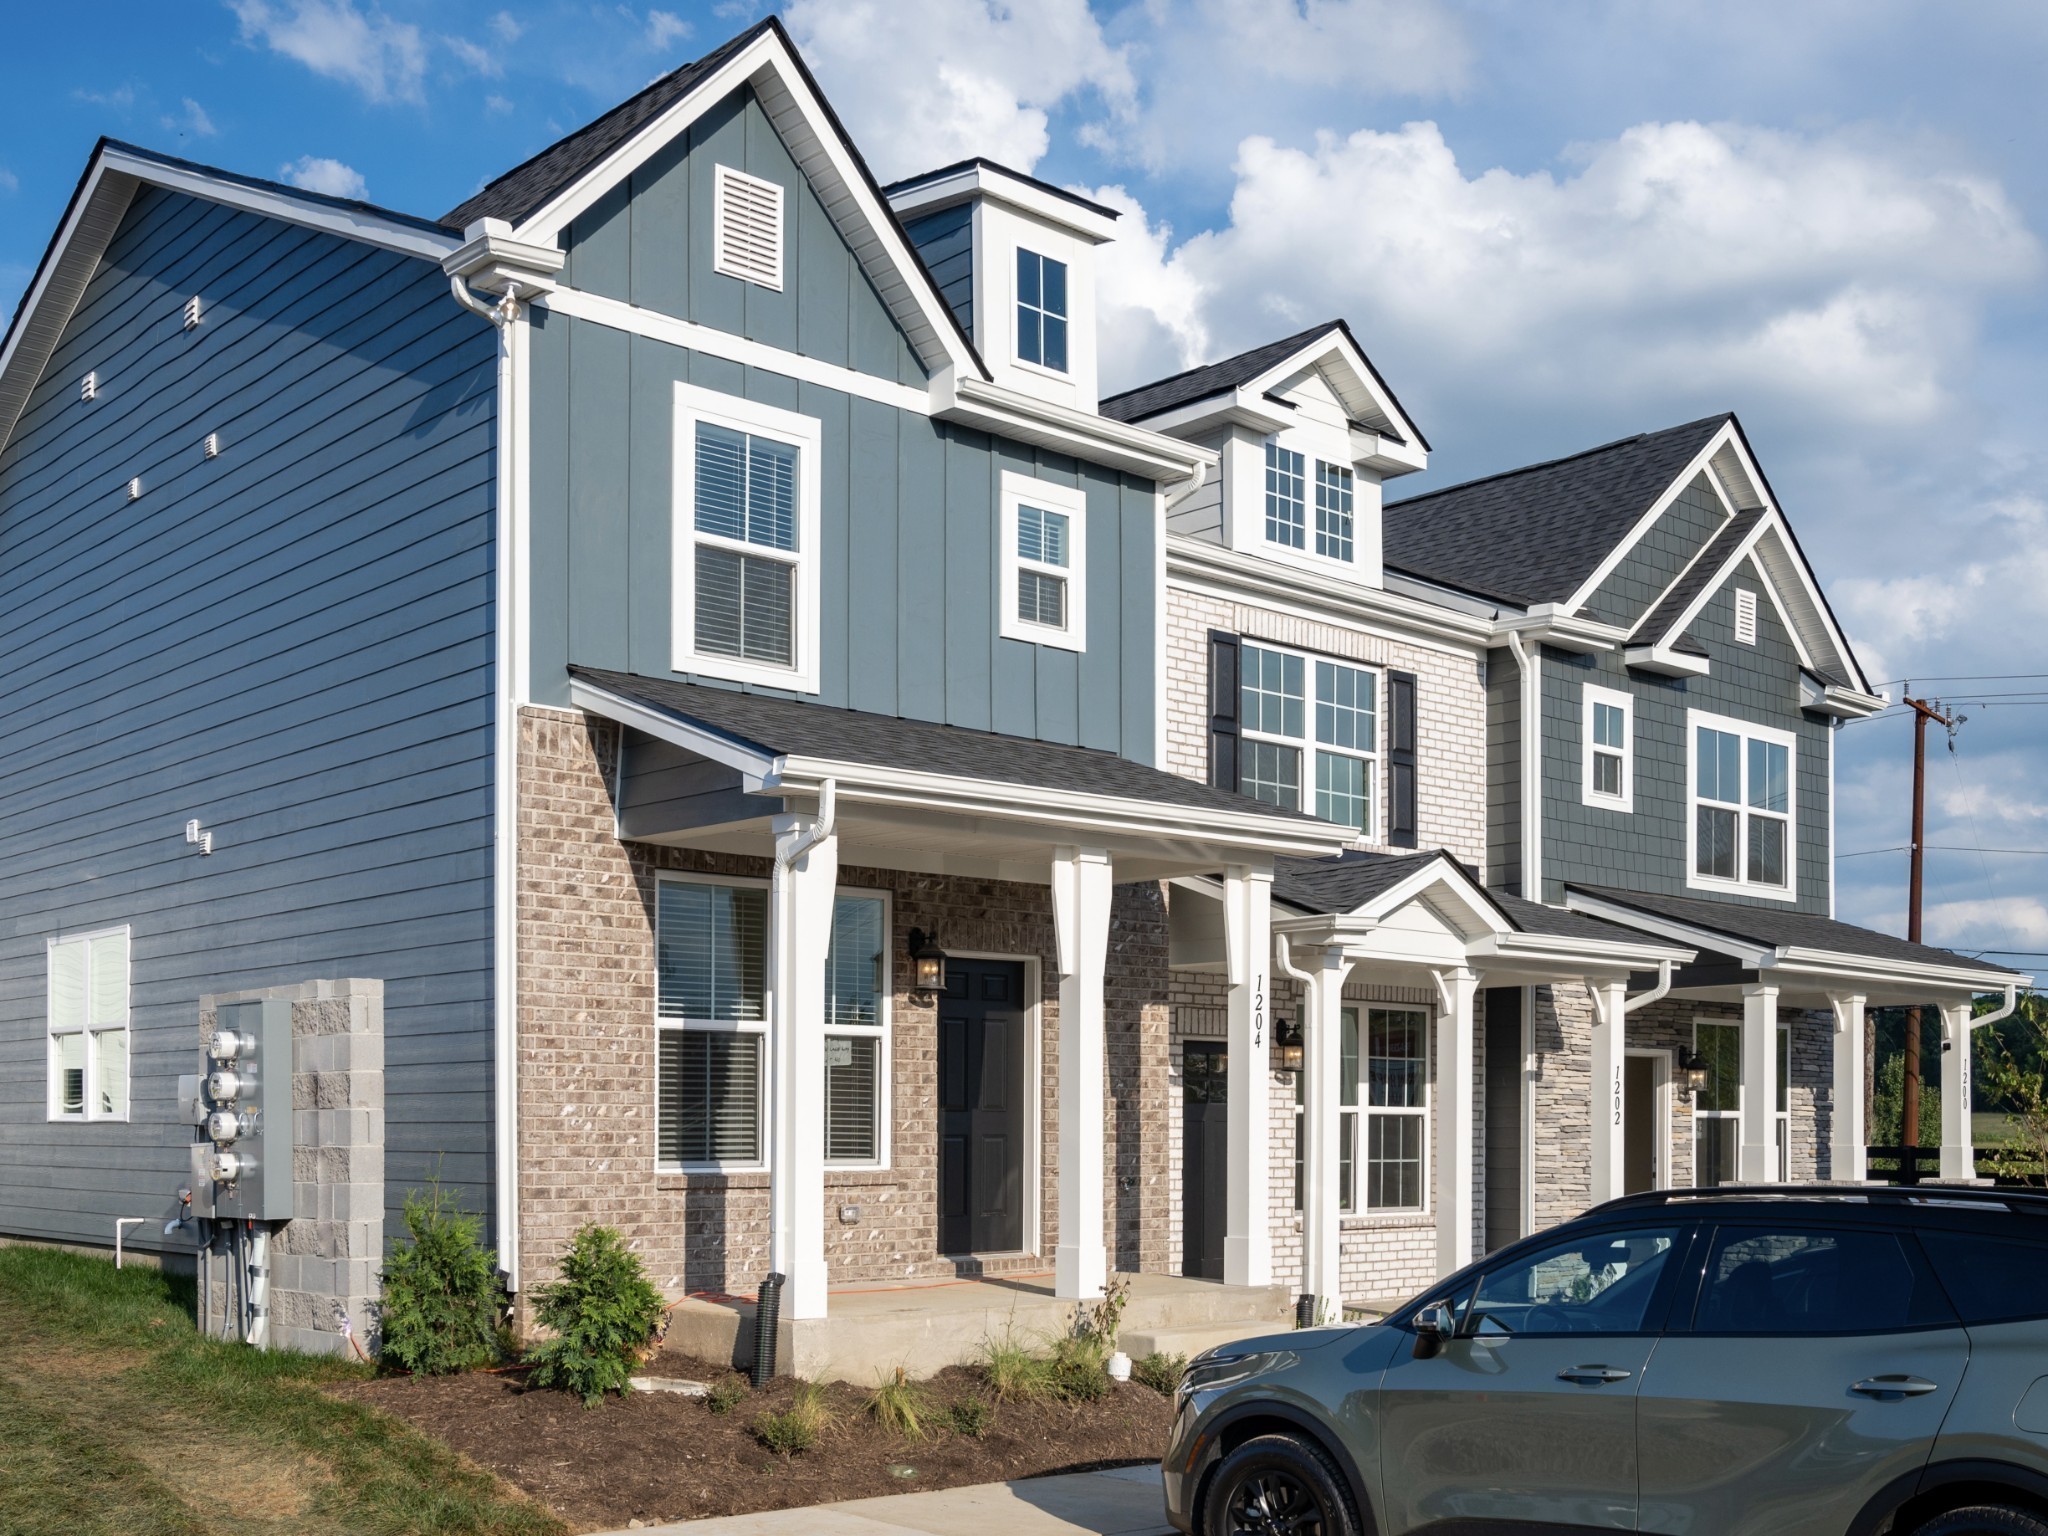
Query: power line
x=1967 y=677
x=1944 y=848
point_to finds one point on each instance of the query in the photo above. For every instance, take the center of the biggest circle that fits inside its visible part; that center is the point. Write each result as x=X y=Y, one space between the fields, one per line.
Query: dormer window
x=1333 y=511
x=1041 y=311
x=1044 y=536
x=1286 y=498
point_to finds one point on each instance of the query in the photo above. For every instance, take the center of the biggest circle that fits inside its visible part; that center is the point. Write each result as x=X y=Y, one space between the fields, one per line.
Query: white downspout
x=1662 y=988
x=1999 y=1015
x=1532 y=767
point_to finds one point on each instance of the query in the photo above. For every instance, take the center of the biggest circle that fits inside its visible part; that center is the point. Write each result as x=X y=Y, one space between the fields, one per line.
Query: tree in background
x=2012 y=1078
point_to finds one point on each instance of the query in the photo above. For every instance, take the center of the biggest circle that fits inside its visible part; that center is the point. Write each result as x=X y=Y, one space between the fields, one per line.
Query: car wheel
x=1278 y=1485
x=1983 y=1520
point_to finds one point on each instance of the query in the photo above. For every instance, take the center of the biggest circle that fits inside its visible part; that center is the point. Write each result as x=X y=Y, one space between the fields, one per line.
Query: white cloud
x=9 y=182
x=1979 y=922
x=506 y=28
x=475 y=56
x=194 y=121
x=497 y=105
x=119 y=99
x=924 y=82
x=317 y=173
x=665 y=29
x=382 y=58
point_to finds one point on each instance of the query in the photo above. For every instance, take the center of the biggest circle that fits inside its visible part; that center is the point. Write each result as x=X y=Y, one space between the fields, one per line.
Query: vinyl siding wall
x=290 y=642
x=945 y=240
x=1694 y=516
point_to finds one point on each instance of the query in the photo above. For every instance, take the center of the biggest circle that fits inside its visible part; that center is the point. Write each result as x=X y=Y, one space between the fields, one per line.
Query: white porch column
x=1958 y=1152
x=799 y=935
x=1846 y=1149
x=1248 y=944
x=1610 y=1024
x=1455 y=989
x=1322 y=1216
x=1756 y=1160
x=1080 y=903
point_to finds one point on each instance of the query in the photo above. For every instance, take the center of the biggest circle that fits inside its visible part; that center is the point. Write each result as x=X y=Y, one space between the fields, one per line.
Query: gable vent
x=746 y=228
x=191 y=311
x=89 y=387
x=1745 y=616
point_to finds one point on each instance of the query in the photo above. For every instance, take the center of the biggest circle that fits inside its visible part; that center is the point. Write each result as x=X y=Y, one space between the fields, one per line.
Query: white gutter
x=1198 y=564
x=1532 y=766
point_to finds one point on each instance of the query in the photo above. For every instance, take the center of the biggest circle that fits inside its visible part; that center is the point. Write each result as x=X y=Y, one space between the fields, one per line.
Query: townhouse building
x=675 y=678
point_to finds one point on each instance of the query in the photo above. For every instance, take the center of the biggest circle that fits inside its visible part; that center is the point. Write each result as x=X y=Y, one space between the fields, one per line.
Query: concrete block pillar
x=1848 y=1141
x=1958 y=1149
x=1322 y=1214
x=1756 y=1160
x=1248 y=947
x=1081 y=888
x=1610 y=1024
x=1454 y=1060
x=799 y=937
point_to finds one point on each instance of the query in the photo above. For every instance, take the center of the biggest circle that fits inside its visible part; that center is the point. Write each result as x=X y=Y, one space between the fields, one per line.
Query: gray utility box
x=243 y=1161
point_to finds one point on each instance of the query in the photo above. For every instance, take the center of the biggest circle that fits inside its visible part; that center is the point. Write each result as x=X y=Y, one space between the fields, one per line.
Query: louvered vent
x=1745 y=616
x=192 y=312
x=746 y=228
x=89 y=387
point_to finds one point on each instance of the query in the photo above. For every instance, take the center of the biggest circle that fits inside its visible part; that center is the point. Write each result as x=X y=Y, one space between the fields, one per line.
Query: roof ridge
x=1221 y=362
x=1569 y=458
x=983 y=161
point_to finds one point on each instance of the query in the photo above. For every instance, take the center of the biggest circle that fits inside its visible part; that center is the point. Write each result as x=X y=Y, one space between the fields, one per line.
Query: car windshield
x=1596 y=1283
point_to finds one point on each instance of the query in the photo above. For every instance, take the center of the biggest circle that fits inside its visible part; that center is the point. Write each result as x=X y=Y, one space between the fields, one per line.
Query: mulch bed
x=657 y=1456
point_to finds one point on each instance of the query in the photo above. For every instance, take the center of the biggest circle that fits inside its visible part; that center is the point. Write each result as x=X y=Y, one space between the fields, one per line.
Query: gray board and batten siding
x=909 y=561
x=290 y=642
x=1644 y=849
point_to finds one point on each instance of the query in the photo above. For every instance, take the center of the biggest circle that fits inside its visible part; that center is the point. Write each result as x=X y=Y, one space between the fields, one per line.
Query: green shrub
x=900 y=1407
x=971 y=1416
x=727 y=1393
x=1013 y=1373
x=797 y=1427
x=1077 y=1372
x=442 y=1297
x=602 y=1313
x=1162 y=1373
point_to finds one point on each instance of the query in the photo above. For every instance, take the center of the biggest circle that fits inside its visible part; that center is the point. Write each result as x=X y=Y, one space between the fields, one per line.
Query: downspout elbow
x=505 y=309
x=1285 y=956
x=823 y=827
x=1660 y=990
x=1998 y=1015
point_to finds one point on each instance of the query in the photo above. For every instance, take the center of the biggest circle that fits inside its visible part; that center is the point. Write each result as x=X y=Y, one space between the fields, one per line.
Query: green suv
x=1786 y=1361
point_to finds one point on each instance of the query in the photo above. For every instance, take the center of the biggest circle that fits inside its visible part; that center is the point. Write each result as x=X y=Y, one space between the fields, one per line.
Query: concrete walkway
x=1125 y=1502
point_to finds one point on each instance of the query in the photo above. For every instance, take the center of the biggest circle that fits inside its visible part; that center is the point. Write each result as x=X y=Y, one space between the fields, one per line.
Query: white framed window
x=1717 y=1112
x=1286 y=496
x=746 y=541
x=746 y=227
x=711 y=1016
x=1309 y=734
x=1745 y=616
x=1333 y=512
x=1041 y=311
x=1383 y=1110
x=1608 y=776
x=1742 y=832
x=1044 y=565
x=88 y=1026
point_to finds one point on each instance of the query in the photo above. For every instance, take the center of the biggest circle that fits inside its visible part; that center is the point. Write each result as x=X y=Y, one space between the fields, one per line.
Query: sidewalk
x=1123 y=1502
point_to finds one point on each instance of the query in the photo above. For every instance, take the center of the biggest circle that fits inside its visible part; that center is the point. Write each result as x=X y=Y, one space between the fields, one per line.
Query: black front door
x=983 y=1095
x=1204 y=1156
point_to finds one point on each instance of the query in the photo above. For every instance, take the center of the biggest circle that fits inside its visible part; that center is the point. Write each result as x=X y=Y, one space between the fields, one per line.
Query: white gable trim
x=1351 y=377
x=824 y=157
x=1612 y=561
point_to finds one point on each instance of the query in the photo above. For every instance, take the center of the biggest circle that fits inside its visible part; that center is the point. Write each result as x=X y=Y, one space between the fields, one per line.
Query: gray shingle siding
x=290 y=642
x=1659 y=555
x=1645 y=849
x=945 y=240
x=648 y=242
x=1503 y=770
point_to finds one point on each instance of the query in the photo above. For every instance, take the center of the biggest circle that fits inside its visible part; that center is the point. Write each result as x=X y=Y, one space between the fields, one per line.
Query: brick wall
x=587 y=1053
x=1450 y=706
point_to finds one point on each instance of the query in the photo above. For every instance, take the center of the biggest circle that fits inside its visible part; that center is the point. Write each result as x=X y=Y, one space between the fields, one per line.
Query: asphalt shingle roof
x=1534 y=535
x=1703 y=570
x=800 y=728
x=1778 y=927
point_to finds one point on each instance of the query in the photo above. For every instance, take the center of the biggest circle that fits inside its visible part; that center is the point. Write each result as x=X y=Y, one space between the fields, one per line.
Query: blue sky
x=1552 y=225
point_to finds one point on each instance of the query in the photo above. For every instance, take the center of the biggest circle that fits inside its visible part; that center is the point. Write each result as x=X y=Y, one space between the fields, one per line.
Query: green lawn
x=115 y=1416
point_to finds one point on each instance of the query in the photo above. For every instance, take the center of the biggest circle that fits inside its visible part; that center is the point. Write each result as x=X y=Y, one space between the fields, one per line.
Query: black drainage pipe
x=767 y=1324
x=1305 y=1310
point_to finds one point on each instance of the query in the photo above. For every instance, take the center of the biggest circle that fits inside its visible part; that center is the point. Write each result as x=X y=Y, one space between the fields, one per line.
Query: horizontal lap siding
x=291 y=642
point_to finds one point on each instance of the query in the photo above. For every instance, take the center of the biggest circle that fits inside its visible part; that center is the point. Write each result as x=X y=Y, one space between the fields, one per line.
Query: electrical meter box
x=242 y=1163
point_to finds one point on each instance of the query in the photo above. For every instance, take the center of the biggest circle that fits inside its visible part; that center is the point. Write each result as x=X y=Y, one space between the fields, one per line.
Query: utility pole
x=1909 y=1119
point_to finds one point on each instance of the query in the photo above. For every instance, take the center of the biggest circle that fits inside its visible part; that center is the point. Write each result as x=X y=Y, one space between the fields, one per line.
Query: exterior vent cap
x=89 y=387
x=746 y=228
x=212 y=445
x=192 y=312
x=135 y=489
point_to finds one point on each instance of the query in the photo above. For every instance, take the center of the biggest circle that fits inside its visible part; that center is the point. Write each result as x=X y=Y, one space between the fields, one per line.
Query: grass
x=799 y=1426
x=120 y=1418
x=1162 y=1373
x=900 y=1406
x=1072 y=1370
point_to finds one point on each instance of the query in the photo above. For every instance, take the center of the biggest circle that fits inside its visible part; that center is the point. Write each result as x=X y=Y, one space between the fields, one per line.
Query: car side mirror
x=1433 y=1325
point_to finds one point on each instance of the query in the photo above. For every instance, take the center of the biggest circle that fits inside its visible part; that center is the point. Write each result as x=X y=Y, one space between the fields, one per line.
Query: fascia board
x=1832 y=963
x=1843 y=703
x=756 y=766
x=1226 y=407
x=1362 y=385
x=1648 y=520
x=1665 y=661
x=1192 y=562
x=1444 y=876
x=1402 y=584
x=1098 y=439
x=984 y=181
x=1748 y=952
x=1555 y=625
x=1600 y=952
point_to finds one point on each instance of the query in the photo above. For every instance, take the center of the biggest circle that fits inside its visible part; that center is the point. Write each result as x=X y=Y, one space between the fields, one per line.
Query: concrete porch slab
x=926 y=1326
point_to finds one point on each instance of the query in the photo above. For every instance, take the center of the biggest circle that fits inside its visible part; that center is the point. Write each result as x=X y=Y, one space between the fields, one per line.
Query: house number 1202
x=1617 y=1095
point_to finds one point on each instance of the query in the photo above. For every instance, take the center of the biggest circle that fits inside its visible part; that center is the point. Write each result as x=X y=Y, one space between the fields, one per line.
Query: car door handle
x=1591 y=1375
x=1894 y=1386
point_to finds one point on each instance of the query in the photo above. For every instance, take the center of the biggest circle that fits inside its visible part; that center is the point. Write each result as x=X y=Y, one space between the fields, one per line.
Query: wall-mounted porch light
x=927 y=964
x=1694 y=1066
x=1287 y=1046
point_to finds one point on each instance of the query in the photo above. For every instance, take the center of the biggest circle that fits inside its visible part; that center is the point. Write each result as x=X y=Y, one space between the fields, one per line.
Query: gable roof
x=895 y=189
x=1704 y=571
x=1533 y=535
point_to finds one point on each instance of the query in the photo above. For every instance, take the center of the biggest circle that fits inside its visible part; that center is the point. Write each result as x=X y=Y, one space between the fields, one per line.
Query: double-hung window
x=1044 y=545
x=1301 y=751
x=1717 y=1111
x=1286 y=497
x=856 y=1033
x=1742 y=828
x=88 y=1032
x=1295 y=484
x=1041 y=311
x=1608 y=734
x=746 y=540
x=1333 y=511
x=1382 y=1109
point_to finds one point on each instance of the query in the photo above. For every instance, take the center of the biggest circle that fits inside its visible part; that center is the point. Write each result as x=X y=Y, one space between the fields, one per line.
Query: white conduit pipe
x=121 y=1225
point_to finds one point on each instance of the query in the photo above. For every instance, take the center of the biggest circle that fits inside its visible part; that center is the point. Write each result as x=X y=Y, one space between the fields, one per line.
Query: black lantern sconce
x=927 y=964
x=1694 y=1066
x=1287 y=1046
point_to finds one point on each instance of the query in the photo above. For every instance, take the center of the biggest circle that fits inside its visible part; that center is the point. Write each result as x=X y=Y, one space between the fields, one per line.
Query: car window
x=1833 y=1280
x=1990 y=1279
x=1599 y=1282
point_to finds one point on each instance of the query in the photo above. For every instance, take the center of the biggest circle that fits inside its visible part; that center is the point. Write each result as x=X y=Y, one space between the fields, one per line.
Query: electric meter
x=226 y=1125
x=226 y=1045
x=224 y=1086
x=225 y=1167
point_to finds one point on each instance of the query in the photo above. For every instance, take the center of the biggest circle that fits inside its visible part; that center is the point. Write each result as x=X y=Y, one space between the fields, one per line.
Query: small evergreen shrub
x=797 y=1428
x=1077 y=1372
x=442 y=1298
x=971 y=1416
x=899 y=1406
x=726 y=1394
x=601 y=1313
x=1162 y=1373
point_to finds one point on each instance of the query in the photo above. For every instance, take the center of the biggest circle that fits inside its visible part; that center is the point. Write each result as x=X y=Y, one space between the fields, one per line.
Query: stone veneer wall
x=587 y=1053
x=1450 y=706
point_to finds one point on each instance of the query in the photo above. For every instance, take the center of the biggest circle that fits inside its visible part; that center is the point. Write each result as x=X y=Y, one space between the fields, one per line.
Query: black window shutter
x=1223 y=695
x=1402 y=829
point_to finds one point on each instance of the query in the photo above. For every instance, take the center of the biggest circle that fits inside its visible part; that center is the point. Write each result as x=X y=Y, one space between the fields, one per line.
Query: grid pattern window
x=746 y=584
x=1717 y=1112
x=1044 y=536
x=1742 y=812
x=711 y=976
x=1383 y=1110
x=1608 y=772
x=1333 y=511
x=88 y=1026
x=1290 y=751
x=856 y=1032
x=1041 y=311
x=1286 y=497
